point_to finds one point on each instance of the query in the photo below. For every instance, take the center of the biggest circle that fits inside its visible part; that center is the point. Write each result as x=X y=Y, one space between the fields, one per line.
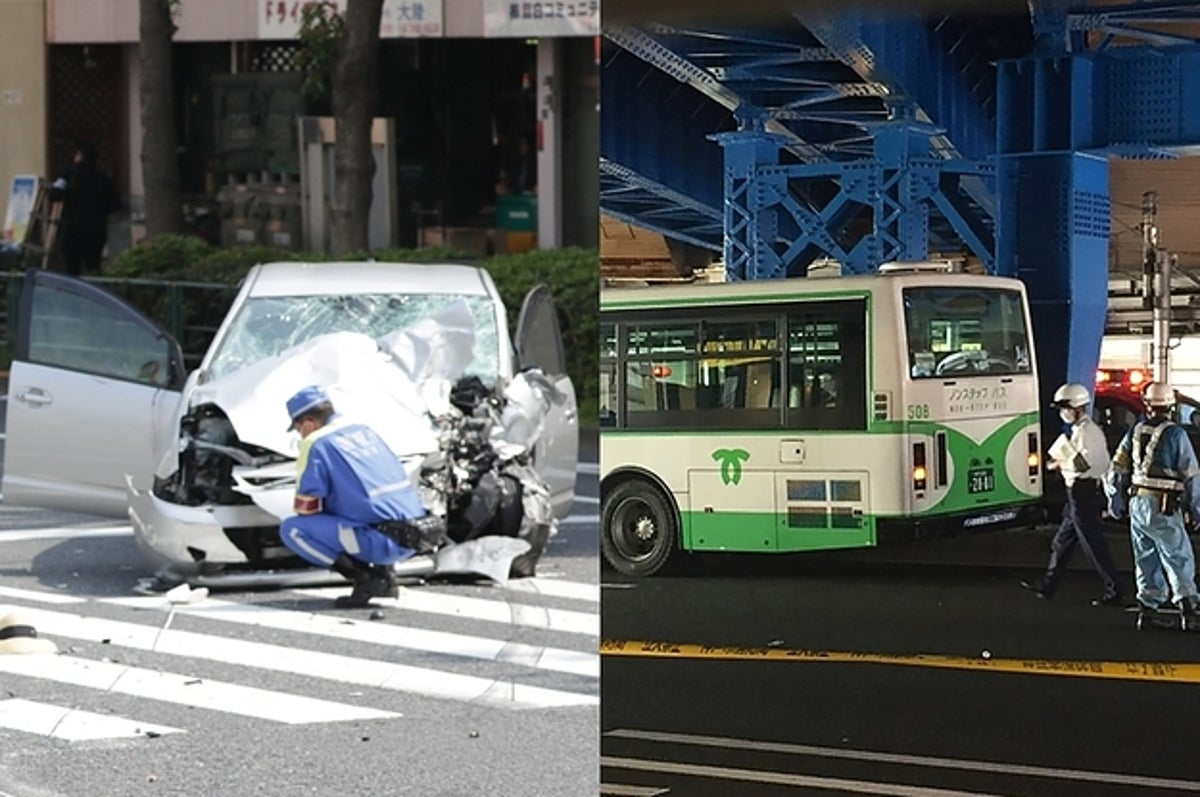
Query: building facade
x=493 y=106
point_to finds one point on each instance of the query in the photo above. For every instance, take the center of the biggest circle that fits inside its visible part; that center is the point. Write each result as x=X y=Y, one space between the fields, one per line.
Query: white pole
x=549 y=156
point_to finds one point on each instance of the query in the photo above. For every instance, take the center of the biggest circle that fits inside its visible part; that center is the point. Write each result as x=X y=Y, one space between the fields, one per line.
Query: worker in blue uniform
x=349 y=483
x=1155 y=468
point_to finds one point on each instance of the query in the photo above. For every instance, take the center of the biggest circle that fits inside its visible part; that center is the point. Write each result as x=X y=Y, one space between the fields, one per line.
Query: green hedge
x=571 y=274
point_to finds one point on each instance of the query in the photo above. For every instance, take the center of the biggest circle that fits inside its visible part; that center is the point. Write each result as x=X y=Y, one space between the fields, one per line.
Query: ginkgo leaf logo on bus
x=731 y=460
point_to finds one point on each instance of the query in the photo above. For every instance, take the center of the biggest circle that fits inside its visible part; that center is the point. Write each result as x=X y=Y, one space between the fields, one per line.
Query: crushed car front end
x=193 y=523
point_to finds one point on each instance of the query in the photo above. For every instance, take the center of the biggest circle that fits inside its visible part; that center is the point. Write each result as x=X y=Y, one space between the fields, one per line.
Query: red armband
x=306 y=504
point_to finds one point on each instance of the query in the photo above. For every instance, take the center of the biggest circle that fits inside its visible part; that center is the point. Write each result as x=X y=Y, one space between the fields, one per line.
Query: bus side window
x=708 y=397
x=640 y=393
x=826 y=383
x=758 y=386
x=731 y=391
x=795 y=386
x=825 y=390
x=608 y=394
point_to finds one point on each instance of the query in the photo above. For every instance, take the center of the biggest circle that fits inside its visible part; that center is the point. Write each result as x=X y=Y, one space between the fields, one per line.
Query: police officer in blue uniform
x=349 y=483
x=1155 y=467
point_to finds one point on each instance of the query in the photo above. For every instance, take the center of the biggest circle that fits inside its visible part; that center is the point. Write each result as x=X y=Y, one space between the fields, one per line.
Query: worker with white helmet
x=1082 y=459
x=1153 y=476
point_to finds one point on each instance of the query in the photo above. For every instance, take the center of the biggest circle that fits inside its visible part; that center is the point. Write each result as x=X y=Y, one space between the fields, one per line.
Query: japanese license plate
x=981 y=480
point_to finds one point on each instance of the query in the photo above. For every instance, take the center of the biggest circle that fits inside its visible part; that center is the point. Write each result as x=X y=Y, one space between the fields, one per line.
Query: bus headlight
x=1035 y=457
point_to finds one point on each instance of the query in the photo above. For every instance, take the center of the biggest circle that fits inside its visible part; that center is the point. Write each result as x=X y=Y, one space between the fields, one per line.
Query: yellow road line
x=1177 y=672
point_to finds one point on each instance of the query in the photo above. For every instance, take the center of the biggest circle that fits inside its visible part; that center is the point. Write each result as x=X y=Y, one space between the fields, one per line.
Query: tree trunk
x=162 y=195
x=353 y=90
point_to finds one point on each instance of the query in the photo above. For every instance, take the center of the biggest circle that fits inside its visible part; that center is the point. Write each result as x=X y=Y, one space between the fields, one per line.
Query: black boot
x=370 y=581
x=383 y=582
x=1042 y=586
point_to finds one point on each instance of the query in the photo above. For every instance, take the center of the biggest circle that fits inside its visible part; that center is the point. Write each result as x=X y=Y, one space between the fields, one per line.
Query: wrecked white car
x=102 y=417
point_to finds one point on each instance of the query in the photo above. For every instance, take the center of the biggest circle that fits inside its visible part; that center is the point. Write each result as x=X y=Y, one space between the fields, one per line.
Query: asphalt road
x=459 y=689
x=819 y=679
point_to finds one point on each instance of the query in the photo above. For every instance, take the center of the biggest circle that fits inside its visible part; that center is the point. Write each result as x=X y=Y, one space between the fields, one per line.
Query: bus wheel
x=638 y=528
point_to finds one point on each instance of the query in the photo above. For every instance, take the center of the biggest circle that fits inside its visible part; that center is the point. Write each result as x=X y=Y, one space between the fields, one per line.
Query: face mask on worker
x=1067 y=414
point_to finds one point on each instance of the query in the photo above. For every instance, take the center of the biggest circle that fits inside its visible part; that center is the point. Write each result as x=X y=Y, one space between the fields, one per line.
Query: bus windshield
x=961 y=331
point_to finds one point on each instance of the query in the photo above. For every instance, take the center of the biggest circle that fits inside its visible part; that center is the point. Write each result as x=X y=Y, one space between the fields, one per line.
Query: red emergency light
x=1134 y=379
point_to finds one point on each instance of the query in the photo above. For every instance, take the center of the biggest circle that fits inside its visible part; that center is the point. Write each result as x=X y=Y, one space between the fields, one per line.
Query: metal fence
x=190 y=311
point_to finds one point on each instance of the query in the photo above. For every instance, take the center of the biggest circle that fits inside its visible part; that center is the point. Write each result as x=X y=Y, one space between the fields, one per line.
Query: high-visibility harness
x=1145 y=473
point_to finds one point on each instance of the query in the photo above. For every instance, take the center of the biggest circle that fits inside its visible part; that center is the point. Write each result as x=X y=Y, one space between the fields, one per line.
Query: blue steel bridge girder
x=1143 y=22
x=774 y=227
x=632 y=198
x=1139 y=101
x=1051 y=29
x=642 y=44
x=924 y=78
x=1061 y=26
x=926 y=84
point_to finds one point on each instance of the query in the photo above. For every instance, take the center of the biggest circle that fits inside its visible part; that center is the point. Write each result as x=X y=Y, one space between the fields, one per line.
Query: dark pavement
x=811 y=726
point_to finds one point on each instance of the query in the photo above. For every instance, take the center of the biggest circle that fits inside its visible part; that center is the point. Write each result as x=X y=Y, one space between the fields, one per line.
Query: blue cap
x=304 y=400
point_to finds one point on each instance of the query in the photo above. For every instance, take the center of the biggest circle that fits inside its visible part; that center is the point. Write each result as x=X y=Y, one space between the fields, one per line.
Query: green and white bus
x=813 y=413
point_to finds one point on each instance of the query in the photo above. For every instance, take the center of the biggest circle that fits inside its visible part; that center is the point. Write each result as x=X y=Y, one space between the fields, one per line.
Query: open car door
x=92 y=388
x=539 y=345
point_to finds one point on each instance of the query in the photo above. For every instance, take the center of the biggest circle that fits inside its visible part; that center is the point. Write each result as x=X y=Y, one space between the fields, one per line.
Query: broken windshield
x=269 y=325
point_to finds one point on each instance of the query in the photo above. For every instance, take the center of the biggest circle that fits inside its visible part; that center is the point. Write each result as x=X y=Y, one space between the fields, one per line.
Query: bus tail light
x=919 y=472
x=1035 y=456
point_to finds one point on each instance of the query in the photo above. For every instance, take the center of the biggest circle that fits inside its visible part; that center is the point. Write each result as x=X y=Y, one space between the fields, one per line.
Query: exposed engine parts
x=208 y=450
x=486 y=493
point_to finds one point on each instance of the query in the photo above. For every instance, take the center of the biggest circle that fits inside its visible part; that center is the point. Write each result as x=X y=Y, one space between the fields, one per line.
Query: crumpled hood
x=394 y=384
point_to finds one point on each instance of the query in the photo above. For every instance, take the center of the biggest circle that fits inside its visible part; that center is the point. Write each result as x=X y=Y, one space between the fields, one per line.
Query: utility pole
x=1156 y=287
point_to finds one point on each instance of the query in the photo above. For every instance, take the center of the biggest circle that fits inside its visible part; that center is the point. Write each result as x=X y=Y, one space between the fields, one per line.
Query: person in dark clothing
x=89 y=196
x=1083 y=460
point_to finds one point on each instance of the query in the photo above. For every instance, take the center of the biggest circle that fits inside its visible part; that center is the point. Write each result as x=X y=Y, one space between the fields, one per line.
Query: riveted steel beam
x=643 y=45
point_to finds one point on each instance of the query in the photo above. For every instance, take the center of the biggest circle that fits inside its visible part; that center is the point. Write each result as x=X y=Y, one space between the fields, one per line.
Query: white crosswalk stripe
x=473 y=647
x=71 y=724
x=522 y=614
x=185 y=690
x=528 y=647
x=24 y=535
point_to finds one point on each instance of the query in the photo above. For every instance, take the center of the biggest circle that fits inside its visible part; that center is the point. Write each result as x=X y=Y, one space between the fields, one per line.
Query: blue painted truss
x=779 y=218
x=825 y=89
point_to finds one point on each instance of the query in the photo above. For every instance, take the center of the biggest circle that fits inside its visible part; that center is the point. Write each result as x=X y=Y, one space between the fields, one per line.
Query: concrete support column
x=549 y=155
